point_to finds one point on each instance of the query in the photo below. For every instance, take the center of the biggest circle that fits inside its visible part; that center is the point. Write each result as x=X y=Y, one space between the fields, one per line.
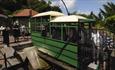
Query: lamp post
x=49 y=2
x=65 y=7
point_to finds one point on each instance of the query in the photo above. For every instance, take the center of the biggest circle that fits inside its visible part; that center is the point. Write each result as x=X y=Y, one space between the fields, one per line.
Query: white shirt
x=96 y=38
x=22 y=28
x=2 y=28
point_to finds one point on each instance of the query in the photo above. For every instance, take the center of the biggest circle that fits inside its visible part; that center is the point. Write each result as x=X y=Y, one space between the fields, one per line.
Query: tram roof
x=49 y=13
x=70 y=18
x=86 y=20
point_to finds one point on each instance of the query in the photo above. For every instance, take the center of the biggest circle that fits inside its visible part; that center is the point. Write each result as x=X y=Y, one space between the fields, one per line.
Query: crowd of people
x=103 y=44
x=16 y=31
x=95 y=47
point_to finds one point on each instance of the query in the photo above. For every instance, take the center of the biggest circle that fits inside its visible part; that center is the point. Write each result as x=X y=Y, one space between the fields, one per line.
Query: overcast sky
x=81 y=6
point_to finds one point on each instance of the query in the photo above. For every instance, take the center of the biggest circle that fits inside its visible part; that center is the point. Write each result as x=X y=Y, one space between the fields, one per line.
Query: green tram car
x=63 y=40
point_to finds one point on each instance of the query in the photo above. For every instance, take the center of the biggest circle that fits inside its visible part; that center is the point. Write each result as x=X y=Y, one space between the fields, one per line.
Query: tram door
x=85 y=55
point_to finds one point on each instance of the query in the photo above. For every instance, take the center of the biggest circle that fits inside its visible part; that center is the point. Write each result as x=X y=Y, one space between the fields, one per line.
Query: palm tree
x=108 y=10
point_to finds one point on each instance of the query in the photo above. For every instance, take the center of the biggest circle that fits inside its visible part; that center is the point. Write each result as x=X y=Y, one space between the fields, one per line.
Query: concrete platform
x=17 y=46
x=21 y=41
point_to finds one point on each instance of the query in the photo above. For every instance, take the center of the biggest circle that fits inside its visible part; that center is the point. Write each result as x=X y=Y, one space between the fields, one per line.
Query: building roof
x=70 y=18
x=49 y=13
x=25 y=13
x=3 y=16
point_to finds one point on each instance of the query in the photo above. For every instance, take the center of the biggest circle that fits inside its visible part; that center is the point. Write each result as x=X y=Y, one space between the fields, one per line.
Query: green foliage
x=108 y=10
x=108 y=16
x=10 y=6
x=105 y=17
x=110 y=23
x=56 y=8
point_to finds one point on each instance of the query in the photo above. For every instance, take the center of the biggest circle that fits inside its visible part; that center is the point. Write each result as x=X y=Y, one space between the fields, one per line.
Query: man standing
x=16 y=32
x=6 y=36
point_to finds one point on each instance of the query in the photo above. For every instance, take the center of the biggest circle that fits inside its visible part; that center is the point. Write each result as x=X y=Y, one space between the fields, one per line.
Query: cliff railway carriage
x=65 y=40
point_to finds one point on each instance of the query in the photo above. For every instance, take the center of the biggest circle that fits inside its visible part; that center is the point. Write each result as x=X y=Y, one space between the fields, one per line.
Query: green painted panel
x=36 y=34
x=67 y=60
x=70 y=54
x=53 y=47
x=48 y=41
x=46 y=49
x=72 y=48
x=54 y=43
x=57 y=50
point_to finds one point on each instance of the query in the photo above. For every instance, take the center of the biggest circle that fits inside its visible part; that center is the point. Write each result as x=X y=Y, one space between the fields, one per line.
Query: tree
x=110 y=23
x=10 y=6
x=108 y=10
x=105 y=15
x=56 y=8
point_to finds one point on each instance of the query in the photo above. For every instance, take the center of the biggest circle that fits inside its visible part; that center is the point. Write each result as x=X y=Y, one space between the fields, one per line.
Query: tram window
x=56 y=33
x=73 y=36
x=37 y=19
x=65 y=33
x=45 y=30
x=37 y=27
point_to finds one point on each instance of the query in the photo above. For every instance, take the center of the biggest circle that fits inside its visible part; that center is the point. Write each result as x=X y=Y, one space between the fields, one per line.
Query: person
x=96 y=38
x=107 y=49
x=6 y=36
x=43 y=30
x=101 y=59
x=23 y=31
x=97 y=49
x=73 y=35
x=16 y=32
x=1 y=29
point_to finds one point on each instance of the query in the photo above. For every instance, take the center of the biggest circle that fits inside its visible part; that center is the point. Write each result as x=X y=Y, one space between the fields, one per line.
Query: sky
x=81 y=6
